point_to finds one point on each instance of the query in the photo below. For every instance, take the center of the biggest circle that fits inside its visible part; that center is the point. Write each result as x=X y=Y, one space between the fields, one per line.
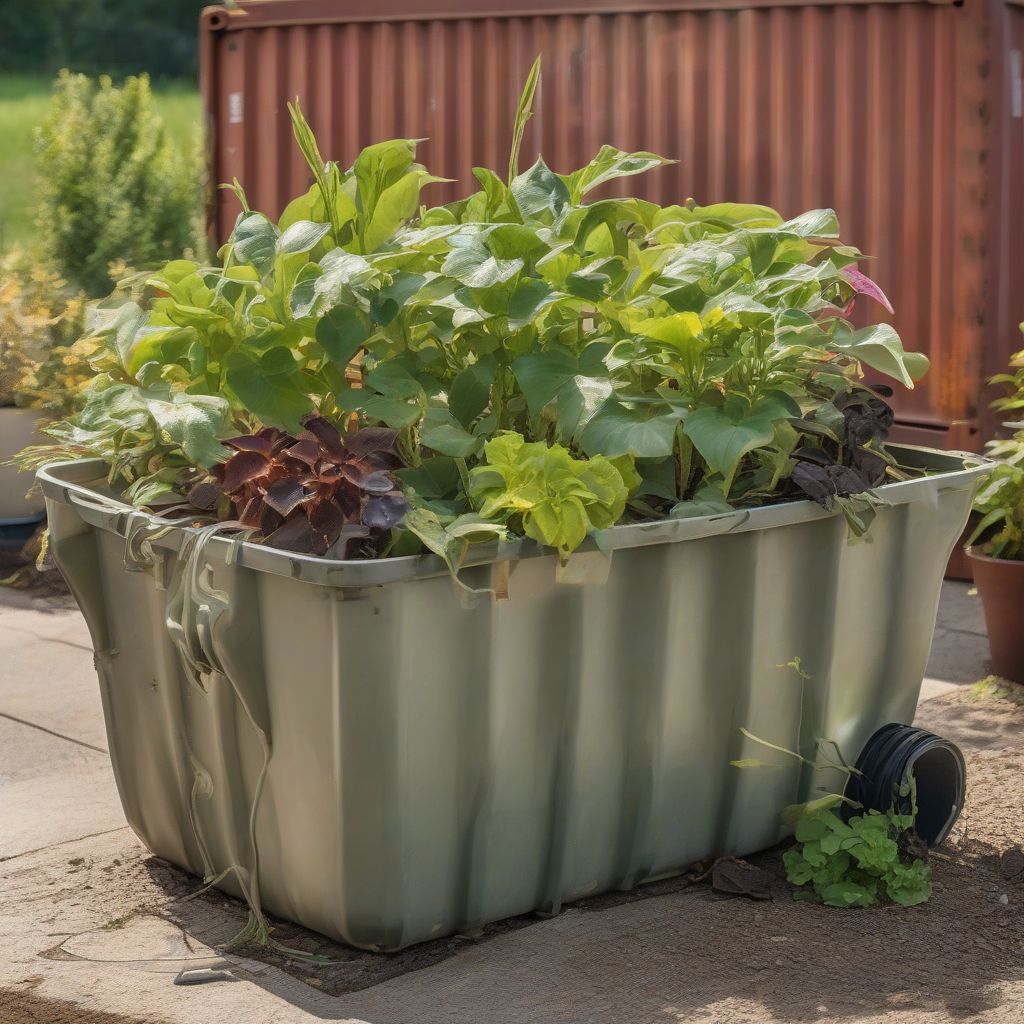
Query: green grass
x=24 y=100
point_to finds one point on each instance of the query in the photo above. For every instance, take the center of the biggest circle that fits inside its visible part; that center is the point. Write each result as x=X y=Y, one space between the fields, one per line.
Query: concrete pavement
x=83 y=926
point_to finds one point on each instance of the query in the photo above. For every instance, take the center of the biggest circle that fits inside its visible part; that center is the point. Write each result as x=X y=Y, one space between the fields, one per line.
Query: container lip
x=73 y=483
x=973 y=552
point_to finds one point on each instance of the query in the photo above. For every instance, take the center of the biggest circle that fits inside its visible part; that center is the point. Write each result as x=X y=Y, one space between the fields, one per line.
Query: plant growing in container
x=523 y=388
x=996 y=546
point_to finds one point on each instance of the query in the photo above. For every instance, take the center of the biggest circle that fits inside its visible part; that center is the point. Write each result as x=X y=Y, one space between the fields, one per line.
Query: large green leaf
x=276 y=399
x=555 y=375
x=436 y=477
x=444 y=434
x=539 y=190
x=120 y=328
x=254 y=241
x=816 y=223
x=301 y=236
x=880 y=348
x=342 y=332
x=724 y=434
x=309 y=206
x=472 y=263
x=387 y=190
x=609 y=164
x=395 y=205
x=193 y=422
x=471 y=390
x=645 y=430
x=395 y=412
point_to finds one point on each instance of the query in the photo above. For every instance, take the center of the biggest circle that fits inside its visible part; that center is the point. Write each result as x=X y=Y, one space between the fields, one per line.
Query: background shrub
x=42 y=362
x=112 y=187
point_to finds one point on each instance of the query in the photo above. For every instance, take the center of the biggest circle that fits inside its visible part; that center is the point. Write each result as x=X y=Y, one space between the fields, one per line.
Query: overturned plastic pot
x=895 y=754
x=360 y=747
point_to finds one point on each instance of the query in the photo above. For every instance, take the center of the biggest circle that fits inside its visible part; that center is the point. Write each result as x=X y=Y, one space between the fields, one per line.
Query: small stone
x=1011 y=863
x=1004 y=899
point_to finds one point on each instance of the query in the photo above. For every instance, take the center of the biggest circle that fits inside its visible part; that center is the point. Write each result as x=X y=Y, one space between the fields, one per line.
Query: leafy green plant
x=847 y=860
x=853 y=863
x=545 y=493
x=548 y=365
x=112 y=187
x=1000 y=501
x=1000 y=498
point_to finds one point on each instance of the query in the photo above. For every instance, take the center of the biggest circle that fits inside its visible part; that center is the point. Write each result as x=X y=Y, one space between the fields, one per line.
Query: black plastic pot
x=887 y=761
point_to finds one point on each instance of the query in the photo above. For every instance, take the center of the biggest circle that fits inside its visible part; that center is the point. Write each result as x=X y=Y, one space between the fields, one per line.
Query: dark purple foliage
x=304 y=493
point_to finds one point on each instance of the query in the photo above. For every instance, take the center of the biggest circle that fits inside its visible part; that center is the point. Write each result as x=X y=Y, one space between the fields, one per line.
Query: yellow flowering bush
x=43 y=359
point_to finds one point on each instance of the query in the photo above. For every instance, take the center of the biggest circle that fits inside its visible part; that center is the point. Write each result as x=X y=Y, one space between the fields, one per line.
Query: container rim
x=974 y=551
x=74 y=483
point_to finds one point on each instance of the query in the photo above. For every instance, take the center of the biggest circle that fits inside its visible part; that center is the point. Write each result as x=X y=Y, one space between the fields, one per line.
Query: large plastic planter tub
x=437 y=762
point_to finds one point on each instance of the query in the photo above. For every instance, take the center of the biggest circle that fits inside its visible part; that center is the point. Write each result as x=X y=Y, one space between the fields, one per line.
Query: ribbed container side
x=882 y=111
x=437 y=763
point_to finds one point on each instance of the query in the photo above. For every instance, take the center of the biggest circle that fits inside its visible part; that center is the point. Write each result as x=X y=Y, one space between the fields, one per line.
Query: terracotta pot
x=18 y=429
x=1001 y=585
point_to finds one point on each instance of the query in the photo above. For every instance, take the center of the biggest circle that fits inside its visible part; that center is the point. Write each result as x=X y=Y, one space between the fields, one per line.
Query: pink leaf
x=863 y=285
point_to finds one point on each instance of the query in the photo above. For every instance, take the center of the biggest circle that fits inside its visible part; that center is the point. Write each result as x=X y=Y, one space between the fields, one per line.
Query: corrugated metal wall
x=882 y=110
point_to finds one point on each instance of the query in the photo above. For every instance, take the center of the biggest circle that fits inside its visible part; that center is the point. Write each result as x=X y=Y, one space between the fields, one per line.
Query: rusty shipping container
x=905 y=116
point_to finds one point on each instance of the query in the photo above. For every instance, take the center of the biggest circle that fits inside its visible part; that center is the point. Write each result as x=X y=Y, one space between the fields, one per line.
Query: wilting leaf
x=305 y=492
x=383 y=511
x=284 y=495
x=205 y=495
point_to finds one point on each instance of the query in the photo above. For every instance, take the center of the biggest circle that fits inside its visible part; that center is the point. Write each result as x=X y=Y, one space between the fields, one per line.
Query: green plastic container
x=386 y=759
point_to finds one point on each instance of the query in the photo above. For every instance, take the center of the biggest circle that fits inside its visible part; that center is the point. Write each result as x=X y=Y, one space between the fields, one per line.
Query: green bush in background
x=112 y=186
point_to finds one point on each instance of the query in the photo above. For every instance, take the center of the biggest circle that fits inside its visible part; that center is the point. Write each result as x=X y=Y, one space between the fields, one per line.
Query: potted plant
x=435 y=557
x=996 y=546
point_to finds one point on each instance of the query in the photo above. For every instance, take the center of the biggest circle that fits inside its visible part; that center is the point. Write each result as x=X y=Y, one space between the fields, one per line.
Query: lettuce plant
x=545 y=493
x=548 y=363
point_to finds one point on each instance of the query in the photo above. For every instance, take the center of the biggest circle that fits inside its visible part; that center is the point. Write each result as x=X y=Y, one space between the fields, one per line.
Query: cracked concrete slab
x=51 y=790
